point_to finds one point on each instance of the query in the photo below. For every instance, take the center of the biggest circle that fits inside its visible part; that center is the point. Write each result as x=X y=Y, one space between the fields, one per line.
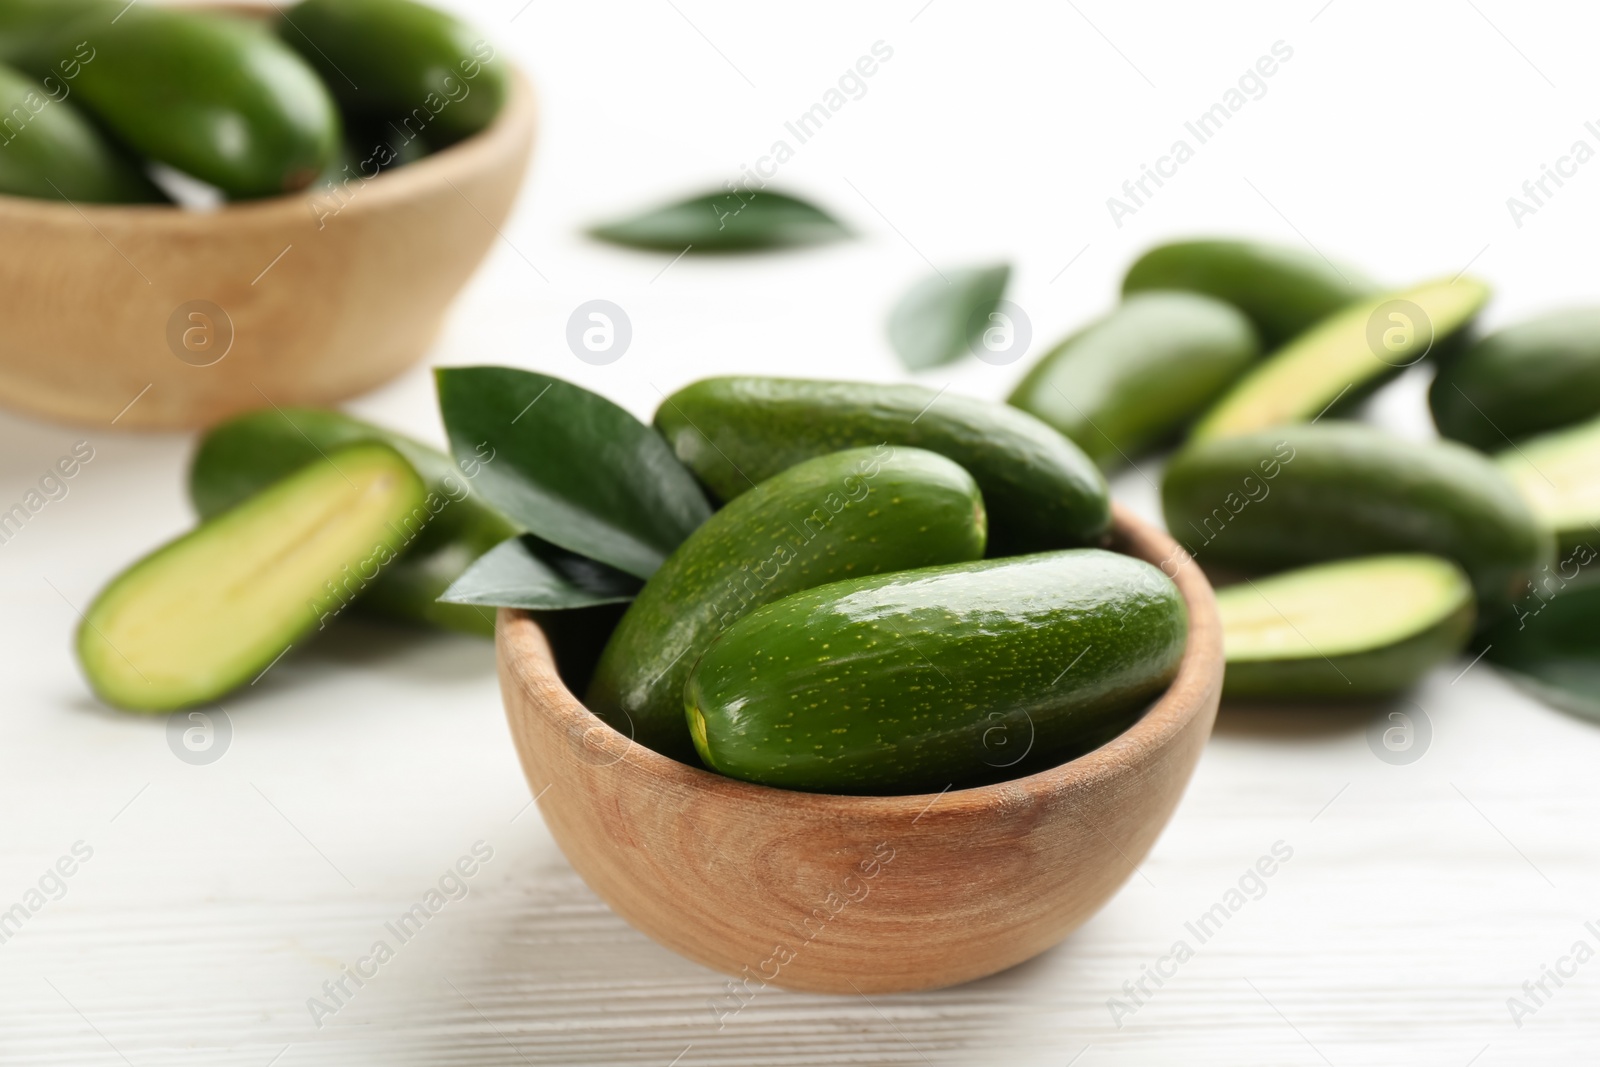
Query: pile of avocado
x=1351 y=561
x=901 y=591
x=91 y=91
x=877 y=589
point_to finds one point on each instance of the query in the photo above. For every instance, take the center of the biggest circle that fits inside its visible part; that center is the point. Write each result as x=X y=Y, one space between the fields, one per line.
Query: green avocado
x=1128 y=382
x=1559 y=475
x=1549 y=649
x=29 y=31
x=1283 y=290
x=210 y=611
x=844 y=515
x=1346 y=356
x=1041 y=491
x=50 y=150
x=402 y=62
x=215 y=96
x=1303 y=494
x=241 y=456
x=1526 y=379
x=1313 y=632
x=943 y=677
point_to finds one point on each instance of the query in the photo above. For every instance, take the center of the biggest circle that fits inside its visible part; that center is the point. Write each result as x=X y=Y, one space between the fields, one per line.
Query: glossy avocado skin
x=1131 y=380
x=944 y=677
x=844 y=515
x=50 y=150
x=215 y=96
x=1301 y=494
x=1040 y=489
x=244 y=455
x=1283 y=290
x=402 y=62
x=1536 y=376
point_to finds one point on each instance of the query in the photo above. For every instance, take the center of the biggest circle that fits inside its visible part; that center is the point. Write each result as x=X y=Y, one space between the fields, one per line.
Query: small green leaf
x=937 y=319
x=725 y=222
x=570 y=466
x=525 y=572
x=1552 y=649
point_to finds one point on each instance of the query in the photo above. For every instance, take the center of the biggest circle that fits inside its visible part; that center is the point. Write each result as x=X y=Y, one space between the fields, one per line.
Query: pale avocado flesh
x=1345 y=356
x=209 y=611
x=1353 y=628
x=1559 y=475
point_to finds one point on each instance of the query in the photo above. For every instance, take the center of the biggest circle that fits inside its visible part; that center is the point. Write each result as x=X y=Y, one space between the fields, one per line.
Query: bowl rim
x=525 y=652
x=446 y=167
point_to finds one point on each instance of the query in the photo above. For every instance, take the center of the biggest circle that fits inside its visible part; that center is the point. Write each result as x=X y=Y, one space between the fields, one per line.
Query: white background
x=1419 y=897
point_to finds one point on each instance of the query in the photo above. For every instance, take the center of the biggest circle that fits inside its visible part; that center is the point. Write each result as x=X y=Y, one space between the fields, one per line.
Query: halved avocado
x=1346 y=356
x=1559 y=474
x=209 y=611
x=1356 y=628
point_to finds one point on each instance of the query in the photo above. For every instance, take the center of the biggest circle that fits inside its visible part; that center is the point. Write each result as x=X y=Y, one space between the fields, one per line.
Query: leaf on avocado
x=525 y=572
x=725 y=222
x=1552 y=649
x=570 y=466
x=937 y=319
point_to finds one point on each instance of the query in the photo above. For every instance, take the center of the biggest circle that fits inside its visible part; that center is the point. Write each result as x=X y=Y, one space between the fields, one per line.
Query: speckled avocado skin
x=947 y=676
x=1302 y=494
x=1042 y=492
x=859 y=512
x=1124 y=384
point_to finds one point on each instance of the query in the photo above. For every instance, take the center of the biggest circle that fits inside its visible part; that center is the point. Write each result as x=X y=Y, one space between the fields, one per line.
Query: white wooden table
x=208 y=904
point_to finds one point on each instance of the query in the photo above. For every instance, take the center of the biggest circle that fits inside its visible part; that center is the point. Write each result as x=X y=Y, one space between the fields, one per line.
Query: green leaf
x=570 y=466
x=725 y=222
x=1552 y=649
x=938 y=318
x=525 y=572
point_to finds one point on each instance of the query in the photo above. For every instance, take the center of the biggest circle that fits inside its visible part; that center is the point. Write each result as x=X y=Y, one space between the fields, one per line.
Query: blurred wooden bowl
x=859 y=894
x=302 y=299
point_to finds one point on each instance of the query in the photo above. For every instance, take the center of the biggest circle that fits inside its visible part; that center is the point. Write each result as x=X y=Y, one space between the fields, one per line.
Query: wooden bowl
x=302 y=299
x=848 y=894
